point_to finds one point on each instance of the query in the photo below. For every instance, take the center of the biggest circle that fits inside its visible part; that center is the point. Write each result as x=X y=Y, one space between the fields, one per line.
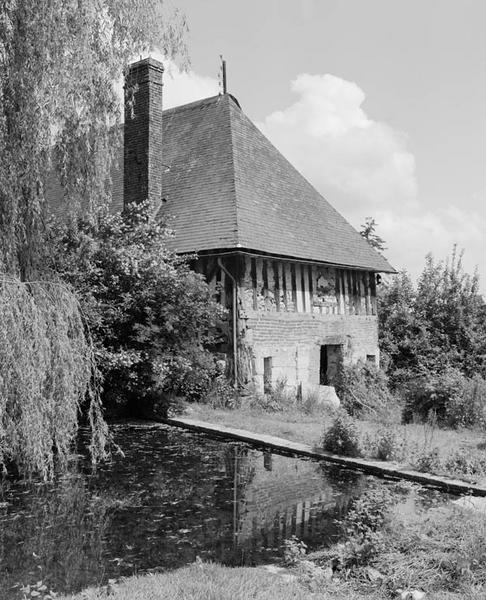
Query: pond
x=172 y=497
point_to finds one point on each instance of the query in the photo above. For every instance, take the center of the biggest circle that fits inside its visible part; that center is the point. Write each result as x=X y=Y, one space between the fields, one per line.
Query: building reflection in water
x=275 y=498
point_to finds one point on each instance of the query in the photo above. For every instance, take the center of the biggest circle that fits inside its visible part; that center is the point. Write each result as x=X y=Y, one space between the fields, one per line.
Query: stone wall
x=294 y=342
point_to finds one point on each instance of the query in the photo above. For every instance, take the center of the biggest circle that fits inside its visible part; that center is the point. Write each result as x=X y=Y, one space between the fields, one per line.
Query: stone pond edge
x=378 y=468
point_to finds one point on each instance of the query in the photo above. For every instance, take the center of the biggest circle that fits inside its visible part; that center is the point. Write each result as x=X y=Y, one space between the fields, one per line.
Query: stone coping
x=381 y=469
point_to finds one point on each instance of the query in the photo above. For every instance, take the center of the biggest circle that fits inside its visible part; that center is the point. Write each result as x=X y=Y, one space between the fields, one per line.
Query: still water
x=174 y=496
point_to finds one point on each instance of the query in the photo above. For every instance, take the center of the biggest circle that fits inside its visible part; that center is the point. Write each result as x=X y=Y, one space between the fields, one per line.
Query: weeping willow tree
x=59 y=112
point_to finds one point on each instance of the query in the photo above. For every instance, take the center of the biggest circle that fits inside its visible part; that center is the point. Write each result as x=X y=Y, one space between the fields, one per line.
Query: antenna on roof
x=222 y=75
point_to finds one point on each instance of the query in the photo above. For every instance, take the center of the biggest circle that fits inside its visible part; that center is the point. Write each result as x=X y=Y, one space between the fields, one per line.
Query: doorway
x=267 y=375
x=331 y=357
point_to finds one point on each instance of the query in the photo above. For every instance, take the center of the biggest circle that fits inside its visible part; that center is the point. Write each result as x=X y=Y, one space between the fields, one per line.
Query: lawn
x=215 y=582
x=433 y=449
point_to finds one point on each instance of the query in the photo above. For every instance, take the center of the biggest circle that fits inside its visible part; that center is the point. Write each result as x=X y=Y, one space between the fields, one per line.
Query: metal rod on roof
x=224 y=77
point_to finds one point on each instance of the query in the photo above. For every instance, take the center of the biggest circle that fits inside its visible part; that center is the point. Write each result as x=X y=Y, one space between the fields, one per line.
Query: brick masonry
x=294 y=341
x=143 y=132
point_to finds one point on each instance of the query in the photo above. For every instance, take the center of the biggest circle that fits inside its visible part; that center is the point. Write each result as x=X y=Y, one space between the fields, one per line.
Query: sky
x=381 y=104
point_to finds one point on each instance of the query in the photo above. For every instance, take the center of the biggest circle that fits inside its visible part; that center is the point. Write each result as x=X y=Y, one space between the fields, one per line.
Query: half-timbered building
x=298 y=281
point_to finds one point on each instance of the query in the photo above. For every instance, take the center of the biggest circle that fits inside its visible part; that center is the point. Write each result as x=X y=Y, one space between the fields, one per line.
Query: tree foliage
x=58 y=64
x=152 y=317
x=437 y=324
x=59 y=112
x=368 y=231
x=46 y=376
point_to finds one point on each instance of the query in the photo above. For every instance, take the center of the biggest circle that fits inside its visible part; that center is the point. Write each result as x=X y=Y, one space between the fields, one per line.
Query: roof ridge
x=194 y=104
x=233 y=164
x=201 y=102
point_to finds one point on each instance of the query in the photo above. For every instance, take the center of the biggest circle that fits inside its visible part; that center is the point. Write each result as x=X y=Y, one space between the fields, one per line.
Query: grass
x=215 y=582
x=415 y=440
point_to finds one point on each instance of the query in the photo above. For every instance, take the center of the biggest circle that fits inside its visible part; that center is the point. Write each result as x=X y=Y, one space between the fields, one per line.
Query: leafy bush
x=363 y=527
x=222 y=394
x=310 y=402
x=438 y=322
x=370 y=512
x=431 y=392
x=281 y=397
x=293 y=551
x=152 y=317
x=456 y=400
x=363 y=389
x=387 y=445
x=342 y=437
x=468 y=407
x=428 y=461
x=464 y=461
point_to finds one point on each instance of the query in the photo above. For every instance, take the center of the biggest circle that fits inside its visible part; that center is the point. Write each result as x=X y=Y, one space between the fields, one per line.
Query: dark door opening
x=329 y=364
x=267 y=375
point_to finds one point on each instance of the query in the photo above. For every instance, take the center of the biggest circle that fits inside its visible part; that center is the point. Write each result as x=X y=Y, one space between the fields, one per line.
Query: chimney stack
x=143 y=132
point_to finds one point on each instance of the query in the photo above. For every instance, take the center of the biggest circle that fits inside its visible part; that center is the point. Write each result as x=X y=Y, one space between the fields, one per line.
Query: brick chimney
x=143 y=132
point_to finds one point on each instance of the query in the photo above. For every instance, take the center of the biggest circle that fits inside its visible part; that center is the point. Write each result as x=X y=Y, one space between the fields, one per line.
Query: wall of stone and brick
x=287 y=310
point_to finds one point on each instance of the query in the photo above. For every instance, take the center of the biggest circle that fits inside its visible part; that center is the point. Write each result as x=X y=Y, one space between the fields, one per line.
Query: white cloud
x=330 y=138
x=181 y=87
x=364 y=168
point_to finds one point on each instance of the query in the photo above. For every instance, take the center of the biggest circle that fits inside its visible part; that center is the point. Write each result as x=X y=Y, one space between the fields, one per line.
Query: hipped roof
x=227 y=187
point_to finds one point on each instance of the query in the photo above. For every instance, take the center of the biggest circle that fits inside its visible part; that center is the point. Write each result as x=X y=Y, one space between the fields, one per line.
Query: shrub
x=310 y=402
x=152 y=317
x=387 y=445
x=222 y=394
x=370 y=512
x=464 y=461
x=456 y=400
x=294 y=551
x=363 y=389
x=428 y=461
x=429 y=391
x=342 y=437
x=468 y=407
x=364 y=527
x=280 y=398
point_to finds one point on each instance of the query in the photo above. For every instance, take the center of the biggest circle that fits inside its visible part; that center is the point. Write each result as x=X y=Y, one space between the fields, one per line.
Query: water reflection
x=174 y=496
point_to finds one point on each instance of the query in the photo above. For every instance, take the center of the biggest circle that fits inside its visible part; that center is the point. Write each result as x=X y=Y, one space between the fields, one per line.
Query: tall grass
x=47 y=371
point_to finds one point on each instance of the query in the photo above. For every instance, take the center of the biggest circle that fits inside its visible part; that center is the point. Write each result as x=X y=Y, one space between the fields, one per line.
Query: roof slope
x=228 y=187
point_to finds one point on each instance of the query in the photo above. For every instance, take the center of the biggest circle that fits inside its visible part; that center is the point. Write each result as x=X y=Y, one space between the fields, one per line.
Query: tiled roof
x=228 y=187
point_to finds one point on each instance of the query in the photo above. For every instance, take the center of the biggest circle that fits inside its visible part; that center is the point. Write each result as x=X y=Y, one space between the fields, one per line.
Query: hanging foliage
x=59 y=111
x=59 y=61
x=46 y=375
